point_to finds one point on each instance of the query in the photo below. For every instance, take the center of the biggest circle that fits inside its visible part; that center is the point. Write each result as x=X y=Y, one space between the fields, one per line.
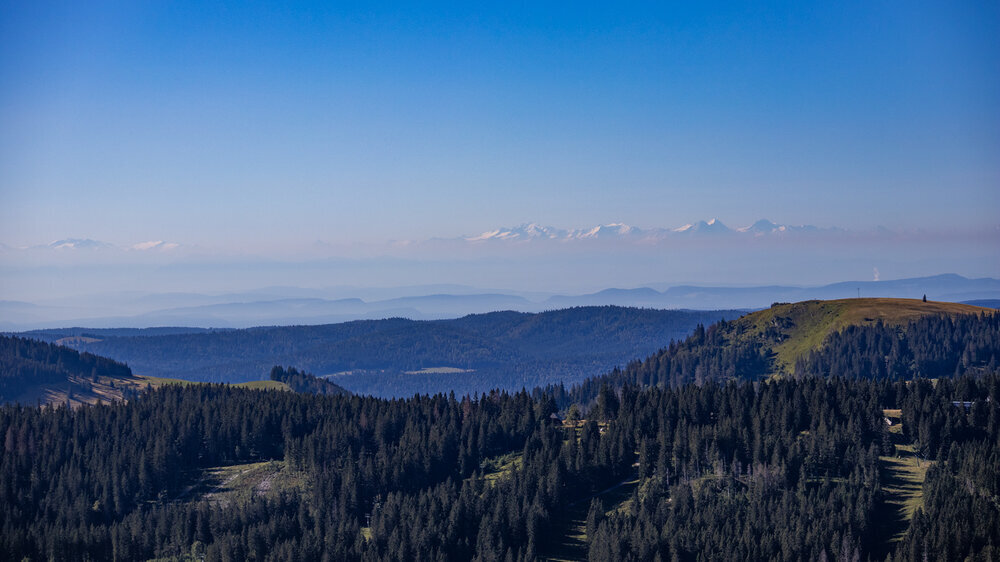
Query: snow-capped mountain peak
x=525 y=231
x=713 y=226
x=615 y=229
x=154 y=245
x=763 y=226
x=78 y=244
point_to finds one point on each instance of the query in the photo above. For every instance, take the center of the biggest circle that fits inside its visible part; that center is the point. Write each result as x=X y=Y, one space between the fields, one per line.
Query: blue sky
x=242 y=125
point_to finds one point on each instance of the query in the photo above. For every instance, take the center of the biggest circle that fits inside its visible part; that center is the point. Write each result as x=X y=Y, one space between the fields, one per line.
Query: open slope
x=794 y=329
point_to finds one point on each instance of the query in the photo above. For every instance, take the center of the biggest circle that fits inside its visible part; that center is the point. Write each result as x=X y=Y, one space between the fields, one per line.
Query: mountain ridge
x=499 y=349
x=290 y=305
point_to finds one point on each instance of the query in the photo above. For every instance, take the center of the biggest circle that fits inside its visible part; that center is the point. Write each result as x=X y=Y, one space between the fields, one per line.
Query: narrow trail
x=572 y=542
x=902 y=479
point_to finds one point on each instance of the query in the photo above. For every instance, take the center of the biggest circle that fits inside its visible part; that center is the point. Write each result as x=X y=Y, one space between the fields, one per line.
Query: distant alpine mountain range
x=714 y=227
x=527 y=231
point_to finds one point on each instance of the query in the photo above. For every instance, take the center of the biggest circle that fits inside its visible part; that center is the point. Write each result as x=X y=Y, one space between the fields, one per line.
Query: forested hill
x=33 y=371
x=399 y=357
x=869 y=338
x=304 y=382
x=795 y=329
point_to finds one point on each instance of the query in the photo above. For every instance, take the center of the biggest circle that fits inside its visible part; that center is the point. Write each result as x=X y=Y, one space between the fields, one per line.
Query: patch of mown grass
x=905 y=482
x=895 y=417
x=239 y=482
x=439 y=371
x=263 y=385
x=495 y=468
x=156 y=382
x=902 y=480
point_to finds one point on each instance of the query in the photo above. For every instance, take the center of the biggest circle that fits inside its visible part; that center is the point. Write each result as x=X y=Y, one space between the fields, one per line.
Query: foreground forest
x=700 y=452
x=787 y=470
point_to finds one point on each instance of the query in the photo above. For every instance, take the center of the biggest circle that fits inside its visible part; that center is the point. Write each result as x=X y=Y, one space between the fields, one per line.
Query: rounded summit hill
x=793 y=329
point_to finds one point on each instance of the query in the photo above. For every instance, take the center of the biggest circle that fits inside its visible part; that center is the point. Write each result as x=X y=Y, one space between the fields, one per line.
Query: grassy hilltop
x=794 y=329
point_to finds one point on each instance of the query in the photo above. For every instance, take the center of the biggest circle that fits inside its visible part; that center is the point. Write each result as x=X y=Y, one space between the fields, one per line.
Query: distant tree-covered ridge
x=28 y=368
x=509 y=350
x=304 y=382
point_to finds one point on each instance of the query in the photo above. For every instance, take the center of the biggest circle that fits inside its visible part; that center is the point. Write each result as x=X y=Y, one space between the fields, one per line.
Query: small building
x=967 y=404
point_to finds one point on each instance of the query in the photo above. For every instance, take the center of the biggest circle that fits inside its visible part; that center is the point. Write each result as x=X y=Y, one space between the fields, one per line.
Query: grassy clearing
x=439 y=371
x=905 y=479
x=263 y=385
x=157 y=382
x=233 y=483
x=902 y=478
x=76 y=340
x=494 y=468
x=895 y=417
x=84 y=390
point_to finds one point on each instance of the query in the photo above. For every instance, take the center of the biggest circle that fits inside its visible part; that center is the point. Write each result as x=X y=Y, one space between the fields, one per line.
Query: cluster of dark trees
x=27 y=364
x=931 y=347
x=304 y=382
x=708 y=354
x=507 y=350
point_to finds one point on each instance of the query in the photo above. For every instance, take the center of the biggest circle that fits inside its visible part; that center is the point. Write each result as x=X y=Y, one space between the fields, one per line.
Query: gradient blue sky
x=232 y=125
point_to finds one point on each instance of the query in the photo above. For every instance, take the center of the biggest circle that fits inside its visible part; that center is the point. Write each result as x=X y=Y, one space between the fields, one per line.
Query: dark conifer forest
x=696 y=453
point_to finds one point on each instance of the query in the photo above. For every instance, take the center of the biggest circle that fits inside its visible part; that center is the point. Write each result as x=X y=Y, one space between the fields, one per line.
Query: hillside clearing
x=499 y=467
x=223 y=485
x=439 y=371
